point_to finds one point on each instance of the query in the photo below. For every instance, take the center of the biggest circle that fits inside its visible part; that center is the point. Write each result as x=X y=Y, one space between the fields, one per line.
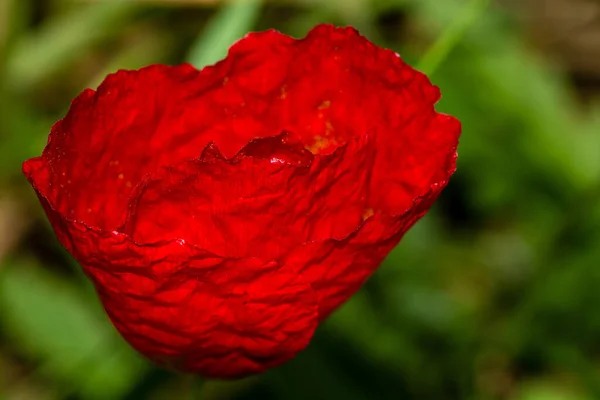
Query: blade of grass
x=230 y=23
x=451 y=36
x=64 y=39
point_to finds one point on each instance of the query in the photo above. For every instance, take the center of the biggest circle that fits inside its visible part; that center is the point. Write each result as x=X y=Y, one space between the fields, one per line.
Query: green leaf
x=49 y=320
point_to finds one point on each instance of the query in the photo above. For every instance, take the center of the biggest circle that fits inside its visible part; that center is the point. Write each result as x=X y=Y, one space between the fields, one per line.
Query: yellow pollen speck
x=120 y=176
x=225 y=80
x=324 y=141
x=367 y=213
x=283 y=94
x=328 y=127
x=128 y=183
x=319 y=144
x=324 y=105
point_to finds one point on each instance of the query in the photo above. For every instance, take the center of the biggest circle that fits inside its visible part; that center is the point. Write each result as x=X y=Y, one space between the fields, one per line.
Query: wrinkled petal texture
x=223 y=213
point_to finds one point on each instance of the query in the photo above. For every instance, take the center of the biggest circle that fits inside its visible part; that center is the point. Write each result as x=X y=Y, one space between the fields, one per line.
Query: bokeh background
x=495 y=294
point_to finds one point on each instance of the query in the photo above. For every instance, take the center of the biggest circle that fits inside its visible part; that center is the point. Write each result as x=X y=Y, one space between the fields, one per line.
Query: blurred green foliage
x=493 y=295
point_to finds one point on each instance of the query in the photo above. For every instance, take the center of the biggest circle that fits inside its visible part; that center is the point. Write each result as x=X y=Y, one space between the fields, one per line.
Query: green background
x=495 y=294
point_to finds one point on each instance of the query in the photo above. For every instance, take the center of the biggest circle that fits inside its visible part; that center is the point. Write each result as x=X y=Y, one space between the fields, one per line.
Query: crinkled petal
x=328 y=88
x=223 y=213
x=271 y=197
x=337 y=268
x=187 y=308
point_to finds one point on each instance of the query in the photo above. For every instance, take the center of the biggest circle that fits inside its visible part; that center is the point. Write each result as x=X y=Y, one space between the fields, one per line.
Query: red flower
x=223 y=213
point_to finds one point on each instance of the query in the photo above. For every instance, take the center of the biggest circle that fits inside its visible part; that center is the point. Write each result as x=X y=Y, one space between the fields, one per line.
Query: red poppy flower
x=222 y=214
